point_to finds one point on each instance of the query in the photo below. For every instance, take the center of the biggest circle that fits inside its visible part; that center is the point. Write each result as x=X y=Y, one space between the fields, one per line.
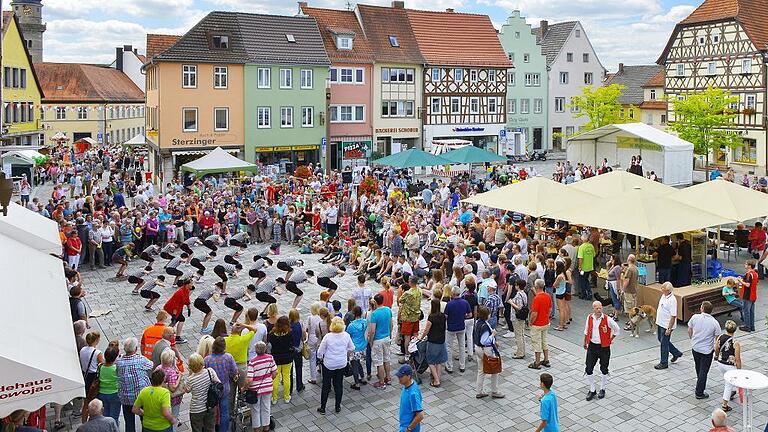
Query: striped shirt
x=206 y=294
x=259 y=264
x=229 y=268
x=290 y=261
x=198 y=384
x=237 y=293
x=140 y=273
x=150 y=286
x=267 y=286
x=151 y=249
x=239 y=236
x=192 y=241
x=298 y=276
x=259 y=372
x=168 y=248
x=212 y=238
x=174 y=263
x=262 y=251
x=328 y=271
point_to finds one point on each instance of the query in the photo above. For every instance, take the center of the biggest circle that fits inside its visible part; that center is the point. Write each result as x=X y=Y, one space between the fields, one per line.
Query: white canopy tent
x=139 y=139
x=217 y=161
x=670 y=157
x=38 y=356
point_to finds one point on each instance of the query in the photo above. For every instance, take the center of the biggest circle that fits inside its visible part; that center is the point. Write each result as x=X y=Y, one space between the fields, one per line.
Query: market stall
x=217 y=161
x=18 y=162
x=411 y=158
x=668 y=156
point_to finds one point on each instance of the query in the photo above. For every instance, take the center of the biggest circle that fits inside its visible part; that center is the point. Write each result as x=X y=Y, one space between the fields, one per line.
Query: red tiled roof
x=752 y=14
x=7 y=17
x=157 y=43
x=657 y=80
x=657 y=105
x=451 y=38
x=382 y=22
x=76 y=82
x=142 y=58
x=332 y=22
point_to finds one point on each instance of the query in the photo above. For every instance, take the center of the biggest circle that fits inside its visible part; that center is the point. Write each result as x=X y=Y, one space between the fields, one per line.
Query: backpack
x=215 y=392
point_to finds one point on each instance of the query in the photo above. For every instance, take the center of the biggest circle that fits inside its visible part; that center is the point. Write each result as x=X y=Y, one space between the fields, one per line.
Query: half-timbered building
x=724 y=43
x=465 y=77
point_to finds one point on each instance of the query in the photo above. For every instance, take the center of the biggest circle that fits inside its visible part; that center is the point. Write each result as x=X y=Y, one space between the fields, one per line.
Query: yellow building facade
x=21 y=90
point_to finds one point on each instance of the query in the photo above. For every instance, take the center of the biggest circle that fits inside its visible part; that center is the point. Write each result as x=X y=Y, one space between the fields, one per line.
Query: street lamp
x=6 y=190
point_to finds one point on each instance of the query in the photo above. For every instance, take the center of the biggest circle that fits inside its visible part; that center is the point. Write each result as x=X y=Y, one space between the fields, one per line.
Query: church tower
x=30 y=16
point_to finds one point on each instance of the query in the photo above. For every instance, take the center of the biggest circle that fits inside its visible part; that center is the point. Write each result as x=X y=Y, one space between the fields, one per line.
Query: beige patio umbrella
x=615 y=183
x=726 y=199
x=636 y=212
x=536 y=197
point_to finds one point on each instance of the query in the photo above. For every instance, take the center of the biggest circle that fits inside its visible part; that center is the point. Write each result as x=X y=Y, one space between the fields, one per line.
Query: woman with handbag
x=201 y=418
x=299 y=336
x=90 y=359
x=519 y=305
x=486 y=354
x=173 y=381
x=334 y=351
x=260 y=373
x=434 y=331
x=282 y=350
x=107 y=379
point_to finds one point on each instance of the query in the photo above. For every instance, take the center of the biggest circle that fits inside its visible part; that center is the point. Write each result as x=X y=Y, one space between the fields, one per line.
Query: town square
x=246 y=215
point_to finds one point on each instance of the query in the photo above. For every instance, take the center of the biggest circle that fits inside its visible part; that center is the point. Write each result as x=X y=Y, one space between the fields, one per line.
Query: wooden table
x=686 y=297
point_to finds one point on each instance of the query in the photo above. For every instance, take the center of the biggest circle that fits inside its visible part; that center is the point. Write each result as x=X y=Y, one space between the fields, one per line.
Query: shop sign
x=468 y=129
x=396 y=130
x=355 y=149
x=637 y=143
x=304 y=147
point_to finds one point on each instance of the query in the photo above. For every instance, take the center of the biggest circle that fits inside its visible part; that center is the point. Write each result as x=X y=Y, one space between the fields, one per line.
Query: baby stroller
x=418 y=358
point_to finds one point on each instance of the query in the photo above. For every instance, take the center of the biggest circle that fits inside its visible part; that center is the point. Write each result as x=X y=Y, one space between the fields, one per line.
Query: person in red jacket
x=74 y=246
x=748 y=295
x=599 y=332
x=175 y=306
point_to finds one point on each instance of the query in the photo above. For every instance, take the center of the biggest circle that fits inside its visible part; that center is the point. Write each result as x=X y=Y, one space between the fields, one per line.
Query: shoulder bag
x=215 y=392
x=492 y=365
x=522 y=314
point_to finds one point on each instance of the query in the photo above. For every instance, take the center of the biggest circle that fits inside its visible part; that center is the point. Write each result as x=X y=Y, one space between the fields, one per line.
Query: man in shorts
x=380 y=337
x=410 y=311
x=175 y=306
x=539 y=319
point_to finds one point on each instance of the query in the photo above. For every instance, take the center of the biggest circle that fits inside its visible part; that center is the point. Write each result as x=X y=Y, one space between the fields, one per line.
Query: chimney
x=544 y=25
x=398 y=4
x=621 y=67
x=127 y=48
x=449 y=10
x=119 y=58
x=136 y=51
x=302 y=4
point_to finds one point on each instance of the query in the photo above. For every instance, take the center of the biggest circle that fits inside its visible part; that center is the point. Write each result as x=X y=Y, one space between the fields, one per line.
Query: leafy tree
x=600 y=105
x=703 y=119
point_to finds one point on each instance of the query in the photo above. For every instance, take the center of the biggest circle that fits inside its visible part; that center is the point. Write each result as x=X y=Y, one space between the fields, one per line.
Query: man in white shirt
x=703 y=329
x=666 y=321
x=599 y=332
x=421 y=267
x=445 y=194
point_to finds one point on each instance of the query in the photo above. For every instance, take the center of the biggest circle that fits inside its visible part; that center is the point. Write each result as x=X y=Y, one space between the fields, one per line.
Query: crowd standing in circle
x=481 y=272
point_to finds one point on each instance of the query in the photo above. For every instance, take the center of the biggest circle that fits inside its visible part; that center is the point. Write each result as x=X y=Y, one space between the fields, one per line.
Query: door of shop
x=537 y=138
x=557 y=139
x=334 y=155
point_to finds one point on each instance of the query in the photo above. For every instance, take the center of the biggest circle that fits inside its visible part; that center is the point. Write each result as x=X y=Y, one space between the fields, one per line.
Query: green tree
x=703 y=119
x=600 y=105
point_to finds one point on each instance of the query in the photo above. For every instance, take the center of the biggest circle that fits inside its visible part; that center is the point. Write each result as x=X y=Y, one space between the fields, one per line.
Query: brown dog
x=637 y=314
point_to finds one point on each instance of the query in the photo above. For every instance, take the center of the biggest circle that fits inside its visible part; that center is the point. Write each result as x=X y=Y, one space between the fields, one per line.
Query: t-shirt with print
x=587 y=254
x=410 y=305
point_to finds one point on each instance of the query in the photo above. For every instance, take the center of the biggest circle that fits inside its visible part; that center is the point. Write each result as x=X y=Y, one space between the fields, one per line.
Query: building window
x=286 y=117
x=711 y=68
x=511 y=79
x=578 y=33
x=559 y=104
x=264 y=120
x=393 y=42
x=563 y=78
x=511 y=57
x=385 y=75
x=397 y=108
x=715 y=38
x=393 y=75
x=569 y=57
x=585 y=58
x=653 y=94
x=189 y=116
x=492 y=105
x=82 y=113
x=455 y=105
x=221 y=119
x=746 y=66
x=434 y=105
x=750 y=104
x=474 y=105
x=575 y=108
x=746 y=152
x=588 y=78
x=435 y=74
x=347 y=75
x=220 y=42
x=663 y=119
x=526 y=58
x=61 y=113
x=680 y=70
x=23 y=78
x=343 y=42
x=286 y=78
x=220 y=77
x=189 y=76
x=511 y=106
x=409 y=75
x=492 y=76
x=569 y=130
x=525 y=106
x=347 y=114
x=517 y=35
x=264 y=78
x=538 y=106
x=6 y=77
x=359 y=79
x=473 y=75
x=307 y=116
x=631 y=113
x=458 y=75
x=306 y=79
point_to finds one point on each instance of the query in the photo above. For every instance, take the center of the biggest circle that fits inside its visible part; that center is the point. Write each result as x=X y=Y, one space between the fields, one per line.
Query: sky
x=627 y=31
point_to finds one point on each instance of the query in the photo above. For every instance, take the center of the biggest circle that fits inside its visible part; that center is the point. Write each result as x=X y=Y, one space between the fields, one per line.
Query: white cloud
x=135 y=8
x=562 y=10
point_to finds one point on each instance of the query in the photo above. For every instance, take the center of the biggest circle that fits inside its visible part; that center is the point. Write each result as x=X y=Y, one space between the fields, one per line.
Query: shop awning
x=138 y=140
x=470 y=154
x=59 y=136
x=39 y=364
x=537 y=196
x=25 y=155
x=217 y=161
x=616 y=183
x=725 y=199
x=411 y=158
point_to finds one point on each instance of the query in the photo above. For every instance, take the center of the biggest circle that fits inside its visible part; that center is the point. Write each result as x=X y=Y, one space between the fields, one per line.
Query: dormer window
x=344 y=42
x=220 y=42
x=289 y=37
x=393 y=42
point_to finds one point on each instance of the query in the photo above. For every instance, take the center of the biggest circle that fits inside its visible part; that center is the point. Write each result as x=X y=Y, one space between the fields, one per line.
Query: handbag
x=181 y=386
x=93 y=390
x=491 y=365
x=522 y=314
x=215 y=392
x=305 y=351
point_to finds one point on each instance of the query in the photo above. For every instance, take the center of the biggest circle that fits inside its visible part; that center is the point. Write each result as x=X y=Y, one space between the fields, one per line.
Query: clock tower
x=30 y=16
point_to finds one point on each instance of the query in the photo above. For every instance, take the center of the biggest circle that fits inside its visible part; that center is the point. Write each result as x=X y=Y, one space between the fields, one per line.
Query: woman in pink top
x=258 y=380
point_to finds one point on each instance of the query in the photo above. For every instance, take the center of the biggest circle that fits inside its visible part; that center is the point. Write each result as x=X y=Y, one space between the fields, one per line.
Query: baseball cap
x=404 y=370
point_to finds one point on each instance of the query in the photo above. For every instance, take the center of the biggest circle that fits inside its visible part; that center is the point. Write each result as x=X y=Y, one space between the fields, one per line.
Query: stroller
x=418 y=358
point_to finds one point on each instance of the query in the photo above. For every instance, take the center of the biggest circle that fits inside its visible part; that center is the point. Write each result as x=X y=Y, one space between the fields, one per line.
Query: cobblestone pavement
x=638 y=397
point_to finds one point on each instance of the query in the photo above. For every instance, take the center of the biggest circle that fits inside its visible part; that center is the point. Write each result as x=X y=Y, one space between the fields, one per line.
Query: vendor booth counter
x=689 y=298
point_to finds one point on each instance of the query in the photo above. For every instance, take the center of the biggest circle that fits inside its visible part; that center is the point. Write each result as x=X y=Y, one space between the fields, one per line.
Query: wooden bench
x=689 y=298
x=692 y=303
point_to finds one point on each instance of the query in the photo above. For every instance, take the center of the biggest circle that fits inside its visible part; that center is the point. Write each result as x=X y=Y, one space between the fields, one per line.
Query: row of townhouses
x=352 y=85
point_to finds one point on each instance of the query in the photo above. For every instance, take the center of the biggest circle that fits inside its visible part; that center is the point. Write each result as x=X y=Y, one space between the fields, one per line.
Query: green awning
x=411 y=158
x=470 y=154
